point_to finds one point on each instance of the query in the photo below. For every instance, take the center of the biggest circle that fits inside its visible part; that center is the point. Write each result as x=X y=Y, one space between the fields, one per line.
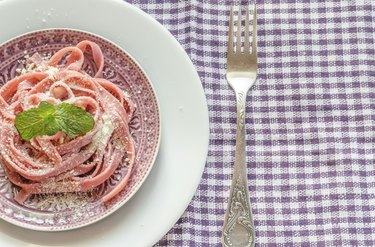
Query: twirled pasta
x=61 y=163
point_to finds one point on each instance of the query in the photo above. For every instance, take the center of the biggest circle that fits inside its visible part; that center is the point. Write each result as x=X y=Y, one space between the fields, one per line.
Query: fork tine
x=247 y=42
x=254 y=45
x=238 y=43
x=230 y=33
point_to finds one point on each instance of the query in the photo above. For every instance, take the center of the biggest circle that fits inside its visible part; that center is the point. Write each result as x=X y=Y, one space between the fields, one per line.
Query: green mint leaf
x=48 y=119
x=73 y=120
x=37 y=121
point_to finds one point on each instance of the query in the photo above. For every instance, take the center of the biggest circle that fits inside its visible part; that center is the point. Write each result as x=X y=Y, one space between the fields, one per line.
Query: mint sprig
x=48 y=119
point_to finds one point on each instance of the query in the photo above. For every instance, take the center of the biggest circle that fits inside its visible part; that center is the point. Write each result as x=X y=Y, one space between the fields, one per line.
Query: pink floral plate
x=66 y=211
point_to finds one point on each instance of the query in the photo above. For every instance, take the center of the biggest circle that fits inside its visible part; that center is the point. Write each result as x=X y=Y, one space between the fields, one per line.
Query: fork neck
x=240 y=84
x=241 y=94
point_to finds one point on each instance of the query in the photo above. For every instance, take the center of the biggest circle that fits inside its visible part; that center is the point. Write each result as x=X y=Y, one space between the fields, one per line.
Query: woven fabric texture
x=309 y=119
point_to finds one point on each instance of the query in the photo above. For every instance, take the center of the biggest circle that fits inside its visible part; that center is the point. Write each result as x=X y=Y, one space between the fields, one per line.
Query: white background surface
x=184 y=142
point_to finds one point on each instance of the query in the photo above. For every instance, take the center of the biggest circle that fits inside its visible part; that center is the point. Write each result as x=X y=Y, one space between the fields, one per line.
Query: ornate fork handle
x=238 y=228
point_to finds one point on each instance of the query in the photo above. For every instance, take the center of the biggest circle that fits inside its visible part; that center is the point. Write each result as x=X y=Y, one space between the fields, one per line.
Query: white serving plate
x=164 y=196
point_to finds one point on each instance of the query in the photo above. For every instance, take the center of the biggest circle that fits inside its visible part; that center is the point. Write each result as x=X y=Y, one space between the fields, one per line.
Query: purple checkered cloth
x=310 y=120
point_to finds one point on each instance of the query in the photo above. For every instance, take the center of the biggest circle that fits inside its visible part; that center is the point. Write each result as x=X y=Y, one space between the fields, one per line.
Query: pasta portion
x=60 y=162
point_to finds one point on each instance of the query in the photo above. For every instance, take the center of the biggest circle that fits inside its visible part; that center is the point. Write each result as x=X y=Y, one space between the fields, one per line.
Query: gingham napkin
x=310 y=120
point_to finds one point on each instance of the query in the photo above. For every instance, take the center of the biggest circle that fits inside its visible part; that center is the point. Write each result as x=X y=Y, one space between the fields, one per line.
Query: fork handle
x=238 y=228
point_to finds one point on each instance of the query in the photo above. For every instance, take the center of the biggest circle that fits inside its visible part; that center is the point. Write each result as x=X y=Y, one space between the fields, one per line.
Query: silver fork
x=238 y=230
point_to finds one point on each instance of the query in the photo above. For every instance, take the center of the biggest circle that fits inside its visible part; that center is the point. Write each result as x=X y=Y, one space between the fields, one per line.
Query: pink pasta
x=62 y=163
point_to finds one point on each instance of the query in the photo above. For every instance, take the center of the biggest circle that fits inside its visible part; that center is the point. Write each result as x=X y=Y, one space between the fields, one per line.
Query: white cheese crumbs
x=21 y=71
x=30 y=67
x=104 y=133
x=52 y=71
x=126 y=94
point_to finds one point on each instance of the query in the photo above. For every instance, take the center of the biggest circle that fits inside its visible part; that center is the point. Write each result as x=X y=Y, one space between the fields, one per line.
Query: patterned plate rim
x=123 y=201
